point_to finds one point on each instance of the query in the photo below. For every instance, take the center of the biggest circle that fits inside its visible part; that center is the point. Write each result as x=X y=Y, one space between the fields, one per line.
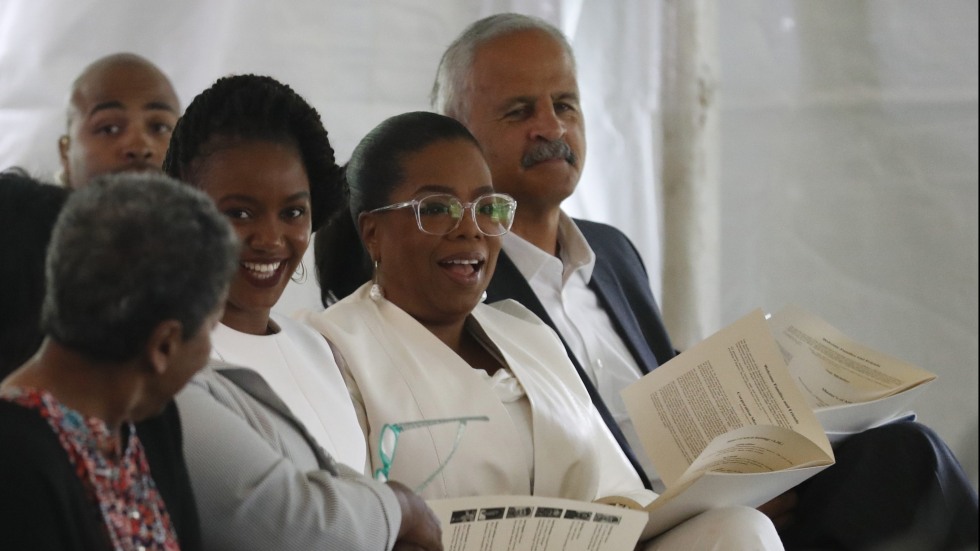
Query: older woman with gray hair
x=136 y=276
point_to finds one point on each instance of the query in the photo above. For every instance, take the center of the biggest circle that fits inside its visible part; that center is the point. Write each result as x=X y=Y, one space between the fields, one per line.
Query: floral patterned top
x=116 y=477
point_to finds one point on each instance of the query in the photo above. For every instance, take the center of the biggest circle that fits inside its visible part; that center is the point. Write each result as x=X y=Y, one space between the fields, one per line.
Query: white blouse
x=299 y=365
x=511 y=394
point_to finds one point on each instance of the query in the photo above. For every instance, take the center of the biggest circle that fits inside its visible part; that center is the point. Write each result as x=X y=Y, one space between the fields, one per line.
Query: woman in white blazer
x=418 y=344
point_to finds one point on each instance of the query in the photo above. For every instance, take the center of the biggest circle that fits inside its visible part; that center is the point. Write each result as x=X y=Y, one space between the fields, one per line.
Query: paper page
x=848 y=419
x=838 y=436
x=529 y=523
x=753 y=449
x=832 y=369
x=734 y=378
x=722 y=490
x=744 y=467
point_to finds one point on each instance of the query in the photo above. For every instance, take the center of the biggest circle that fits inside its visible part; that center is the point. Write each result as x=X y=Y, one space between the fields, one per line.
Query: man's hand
x=420 y=530
x=781 y=509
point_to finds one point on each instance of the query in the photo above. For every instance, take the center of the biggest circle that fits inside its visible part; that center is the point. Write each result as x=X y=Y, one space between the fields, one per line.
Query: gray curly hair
x=128 y=252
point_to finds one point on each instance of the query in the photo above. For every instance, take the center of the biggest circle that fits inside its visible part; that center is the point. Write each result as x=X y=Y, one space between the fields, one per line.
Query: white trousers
x=725 y=529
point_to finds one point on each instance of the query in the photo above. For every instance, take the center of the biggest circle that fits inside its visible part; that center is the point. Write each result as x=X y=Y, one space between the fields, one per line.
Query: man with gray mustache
x=547 y=151
x=511 y=80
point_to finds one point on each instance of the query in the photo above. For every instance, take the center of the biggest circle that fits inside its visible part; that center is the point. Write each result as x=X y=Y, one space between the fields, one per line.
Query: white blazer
x=401 y=372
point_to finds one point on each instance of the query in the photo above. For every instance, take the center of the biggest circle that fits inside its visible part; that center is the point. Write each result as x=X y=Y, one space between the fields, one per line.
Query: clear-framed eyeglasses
x=441 y=213
x=388 y=444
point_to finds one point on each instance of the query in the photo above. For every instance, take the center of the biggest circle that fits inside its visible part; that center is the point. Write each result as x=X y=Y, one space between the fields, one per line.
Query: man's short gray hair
x=448 y=91
x=128 y=252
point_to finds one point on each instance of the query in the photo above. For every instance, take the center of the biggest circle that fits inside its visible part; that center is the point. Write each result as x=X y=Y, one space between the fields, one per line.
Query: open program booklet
x=724 y=424
x=727 y=422
x=849 y=386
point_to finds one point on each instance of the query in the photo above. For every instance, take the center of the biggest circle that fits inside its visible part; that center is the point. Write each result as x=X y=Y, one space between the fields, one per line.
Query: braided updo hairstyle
x=242 y=108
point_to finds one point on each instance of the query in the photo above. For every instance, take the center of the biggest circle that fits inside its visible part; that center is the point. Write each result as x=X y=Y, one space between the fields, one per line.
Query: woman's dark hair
x=373 y=172
x=28 y=209
x=249 y=107
x=342 y=263
x=375 y=166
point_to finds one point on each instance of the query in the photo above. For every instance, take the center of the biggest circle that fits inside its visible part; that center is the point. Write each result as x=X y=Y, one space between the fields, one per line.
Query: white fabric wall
x=847 y=168
x=689 y=174
x=356 y=61
x=849 y=179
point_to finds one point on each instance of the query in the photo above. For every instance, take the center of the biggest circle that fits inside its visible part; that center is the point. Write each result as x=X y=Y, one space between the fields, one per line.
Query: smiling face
x=437 y=279
x=263 y=188
x=121 y=116
x=523 y=107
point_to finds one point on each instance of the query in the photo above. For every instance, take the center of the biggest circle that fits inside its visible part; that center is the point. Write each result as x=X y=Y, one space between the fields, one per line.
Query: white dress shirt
x=511 y=394
x=562 y=285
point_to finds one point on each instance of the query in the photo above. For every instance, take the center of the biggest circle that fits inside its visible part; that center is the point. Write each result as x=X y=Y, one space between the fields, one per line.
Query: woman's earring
x=483 y=298
x=377 y=293
x=301 y=271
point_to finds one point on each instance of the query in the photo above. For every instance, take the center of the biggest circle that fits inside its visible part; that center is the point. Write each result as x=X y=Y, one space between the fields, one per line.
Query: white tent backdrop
x=843 y=159
x=357 y=62
x=849 y=180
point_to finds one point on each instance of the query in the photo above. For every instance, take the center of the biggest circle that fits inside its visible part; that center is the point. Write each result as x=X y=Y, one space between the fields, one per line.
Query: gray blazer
x=261 y=482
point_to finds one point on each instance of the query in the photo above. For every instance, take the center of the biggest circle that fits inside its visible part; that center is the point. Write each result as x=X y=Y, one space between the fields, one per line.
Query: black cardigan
x=44 y=504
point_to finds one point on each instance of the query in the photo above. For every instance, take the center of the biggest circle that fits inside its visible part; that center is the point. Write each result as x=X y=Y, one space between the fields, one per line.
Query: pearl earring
x=376 y=293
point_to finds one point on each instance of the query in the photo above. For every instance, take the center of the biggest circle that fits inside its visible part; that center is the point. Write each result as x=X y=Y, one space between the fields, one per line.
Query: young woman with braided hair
x=261 y=480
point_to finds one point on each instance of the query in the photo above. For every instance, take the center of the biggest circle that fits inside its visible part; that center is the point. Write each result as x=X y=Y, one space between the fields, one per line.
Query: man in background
x=121 y=112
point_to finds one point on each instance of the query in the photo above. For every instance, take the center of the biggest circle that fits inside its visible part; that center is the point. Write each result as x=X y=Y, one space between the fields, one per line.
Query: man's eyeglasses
x=441 y=213
x=388 y=442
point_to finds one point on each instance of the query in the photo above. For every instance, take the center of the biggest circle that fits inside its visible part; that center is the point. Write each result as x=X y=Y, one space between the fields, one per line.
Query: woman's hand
x=420 y=530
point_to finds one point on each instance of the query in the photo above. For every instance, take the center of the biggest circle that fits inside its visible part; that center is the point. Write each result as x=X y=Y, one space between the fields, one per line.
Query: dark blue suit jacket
x=898 y=482
x=621 y=284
